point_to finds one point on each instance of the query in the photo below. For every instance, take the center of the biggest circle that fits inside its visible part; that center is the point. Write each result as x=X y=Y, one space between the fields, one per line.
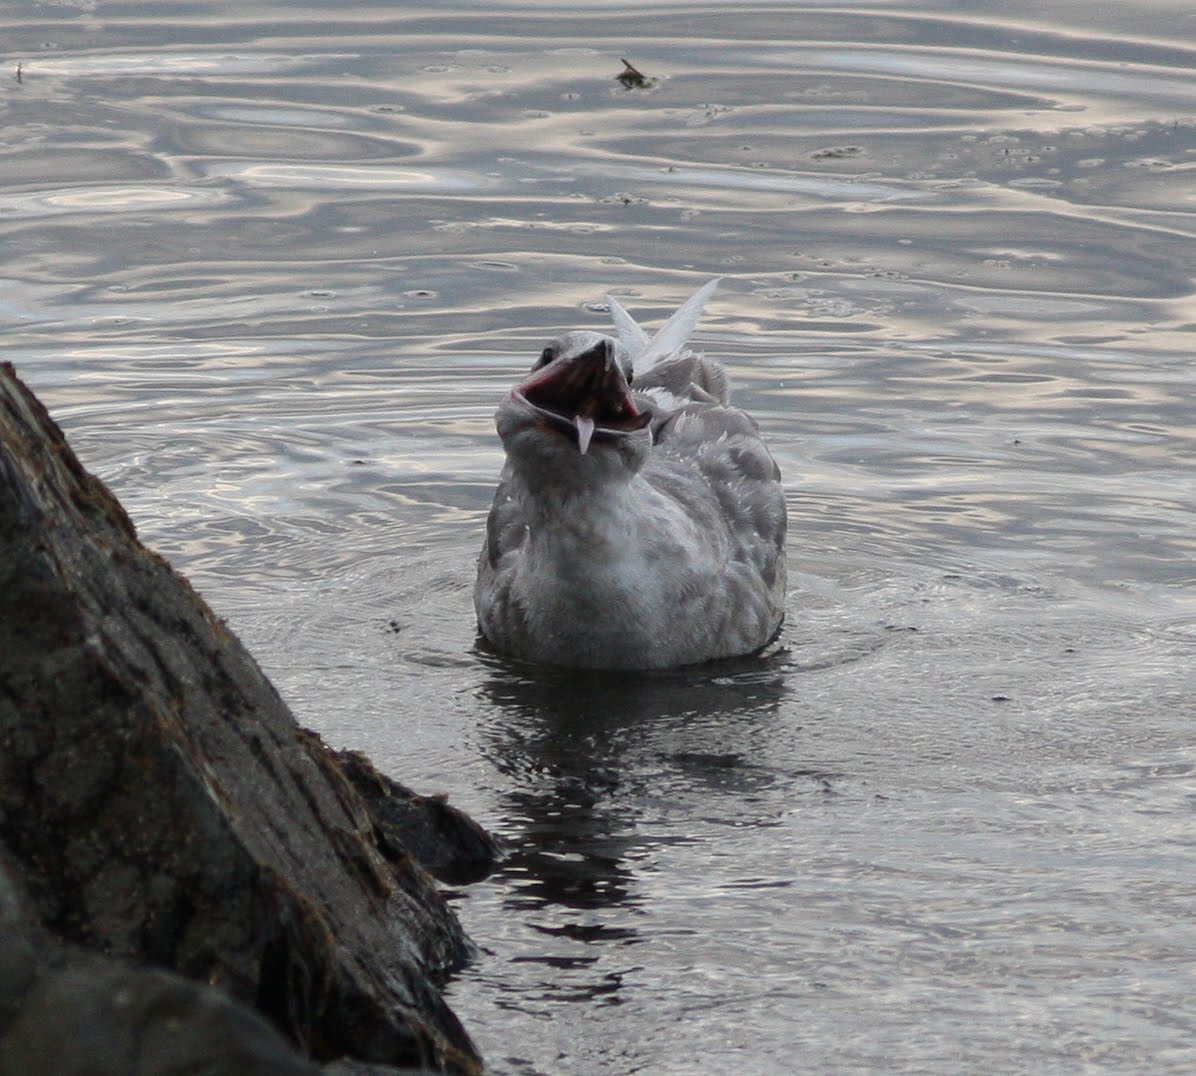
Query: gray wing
x=682 y=379
x=506 y=526
x=498 y=612
x=723 y=445
x=687 y=376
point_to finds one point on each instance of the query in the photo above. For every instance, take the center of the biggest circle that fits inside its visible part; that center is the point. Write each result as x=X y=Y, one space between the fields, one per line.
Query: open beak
x=585 y=395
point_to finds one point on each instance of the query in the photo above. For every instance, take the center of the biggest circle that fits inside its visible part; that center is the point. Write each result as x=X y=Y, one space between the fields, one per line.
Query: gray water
x=271 y=266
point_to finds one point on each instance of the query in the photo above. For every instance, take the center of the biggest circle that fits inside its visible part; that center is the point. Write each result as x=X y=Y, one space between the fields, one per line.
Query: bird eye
x=546 y=356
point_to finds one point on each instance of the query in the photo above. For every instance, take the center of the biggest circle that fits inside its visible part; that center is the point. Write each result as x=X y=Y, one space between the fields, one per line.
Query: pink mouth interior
x=588 y=394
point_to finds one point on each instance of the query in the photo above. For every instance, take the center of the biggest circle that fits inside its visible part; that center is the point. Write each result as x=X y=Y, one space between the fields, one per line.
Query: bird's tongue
x=585 y=430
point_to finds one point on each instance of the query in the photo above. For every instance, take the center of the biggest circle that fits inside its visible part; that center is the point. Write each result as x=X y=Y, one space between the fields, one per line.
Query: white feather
x=663 y=398
x=631 y=336
x=674 y=334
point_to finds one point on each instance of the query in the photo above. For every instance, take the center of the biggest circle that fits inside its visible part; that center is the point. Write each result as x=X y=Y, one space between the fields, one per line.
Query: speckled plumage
x=619 y=541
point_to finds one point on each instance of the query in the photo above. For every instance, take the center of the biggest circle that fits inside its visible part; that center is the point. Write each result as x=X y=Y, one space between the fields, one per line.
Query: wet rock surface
x=160 y=806
x=446 y=842
x=65 y=1011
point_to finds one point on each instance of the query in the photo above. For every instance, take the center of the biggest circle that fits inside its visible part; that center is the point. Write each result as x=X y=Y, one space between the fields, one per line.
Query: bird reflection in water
x=590 y=761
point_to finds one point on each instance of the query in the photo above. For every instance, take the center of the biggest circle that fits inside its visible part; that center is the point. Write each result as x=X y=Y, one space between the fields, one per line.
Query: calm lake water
x=271 y=266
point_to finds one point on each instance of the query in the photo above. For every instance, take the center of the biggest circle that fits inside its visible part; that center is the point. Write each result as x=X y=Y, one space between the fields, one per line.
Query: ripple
x=738 y=180
x=349 y=177
x=274 y=140
x=272 y=273
x=141 y=198
x=171 y=64
x=281 y=115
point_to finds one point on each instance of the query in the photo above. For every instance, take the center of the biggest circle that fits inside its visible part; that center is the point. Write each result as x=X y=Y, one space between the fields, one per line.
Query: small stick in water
x=632 y=78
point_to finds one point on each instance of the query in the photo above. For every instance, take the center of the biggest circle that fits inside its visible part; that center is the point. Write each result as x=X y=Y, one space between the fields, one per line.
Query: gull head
x=574 y=415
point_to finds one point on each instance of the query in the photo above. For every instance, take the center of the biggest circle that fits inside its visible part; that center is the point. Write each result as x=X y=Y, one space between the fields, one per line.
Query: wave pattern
x=272 y=271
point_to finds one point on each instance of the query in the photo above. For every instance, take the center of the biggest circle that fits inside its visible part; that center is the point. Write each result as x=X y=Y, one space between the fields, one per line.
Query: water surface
x=271 y=266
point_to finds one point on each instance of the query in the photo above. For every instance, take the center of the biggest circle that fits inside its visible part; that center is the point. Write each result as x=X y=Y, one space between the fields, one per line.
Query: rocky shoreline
x=189 y=881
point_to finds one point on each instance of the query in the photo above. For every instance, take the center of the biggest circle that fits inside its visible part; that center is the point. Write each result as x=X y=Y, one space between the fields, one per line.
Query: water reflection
x=587 y=754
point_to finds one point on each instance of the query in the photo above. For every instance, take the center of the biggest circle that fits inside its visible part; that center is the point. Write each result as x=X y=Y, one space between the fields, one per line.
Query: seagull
x=639 y=521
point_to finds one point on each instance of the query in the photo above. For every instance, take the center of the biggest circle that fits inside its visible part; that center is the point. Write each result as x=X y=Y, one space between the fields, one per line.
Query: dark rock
x=159 y=803
x=68 y=1012
x=446 y=842
x=347 y=1067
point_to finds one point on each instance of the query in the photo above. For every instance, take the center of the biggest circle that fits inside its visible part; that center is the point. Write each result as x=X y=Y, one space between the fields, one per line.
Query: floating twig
x=633 y=78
